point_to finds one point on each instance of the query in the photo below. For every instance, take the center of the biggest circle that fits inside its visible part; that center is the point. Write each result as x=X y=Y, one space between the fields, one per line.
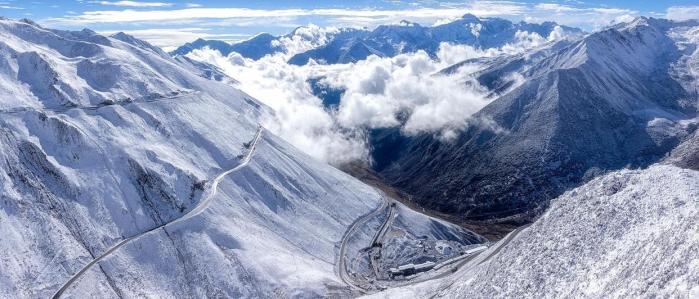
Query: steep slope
x=83 y=168
x=270 y=230
x=630 y=233
x=610 y=100
x=626 y=234
x=111 y=149
x=407 y=37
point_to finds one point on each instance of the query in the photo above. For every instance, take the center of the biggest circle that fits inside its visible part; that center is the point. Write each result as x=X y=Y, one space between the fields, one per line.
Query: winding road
x=342 y=261
x=376 y=242
x=208 y=196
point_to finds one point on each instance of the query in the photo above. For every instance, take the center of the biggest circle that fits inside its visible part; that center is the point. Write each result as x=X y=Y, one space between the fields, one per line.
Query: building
x=410 y=269
x=475 y=250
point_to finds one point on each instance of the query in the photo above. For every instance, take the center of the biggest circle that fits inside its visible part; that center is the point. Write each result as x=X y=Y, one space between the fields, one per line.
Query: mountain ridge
x=574 y=117
x=351 y=45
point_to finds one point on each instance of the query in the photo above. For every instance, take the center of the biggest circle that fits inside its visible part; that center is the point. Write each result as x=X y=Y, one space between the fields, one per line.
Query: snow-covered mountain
x=350 y=44
x=299 y=40
x=624 y=96
x=127 y=173
x=254 y=48
x=407 y=37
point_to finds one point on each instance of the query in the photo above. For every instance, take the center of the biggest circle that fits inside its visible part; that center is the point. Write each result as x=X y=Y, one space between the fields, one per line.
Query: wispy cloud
x=5 y=5
x=242 y=19
x=133 y=3
x=565 y=14
x=169 y=37
x=118 y=16
x=683 y=12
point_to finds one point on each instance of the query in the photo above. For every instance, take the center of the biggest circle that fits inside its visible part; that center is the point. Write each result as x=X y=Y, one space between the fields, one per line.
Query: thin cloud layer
x=683 y=13
x=132 y=3
x=165 y=37
x=564 y=14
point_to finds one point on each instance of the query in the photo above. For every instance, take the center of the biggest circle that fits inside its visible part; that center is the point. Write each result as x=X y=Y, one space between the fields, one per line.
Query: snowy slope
x=270 y=230
x=107 y=138
x=75 y=181
x=631 y=233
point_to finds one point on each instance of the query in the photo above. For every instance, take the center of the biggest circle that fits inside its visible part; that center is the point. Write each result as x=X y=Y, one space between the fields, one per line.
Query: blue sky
x=170 y=23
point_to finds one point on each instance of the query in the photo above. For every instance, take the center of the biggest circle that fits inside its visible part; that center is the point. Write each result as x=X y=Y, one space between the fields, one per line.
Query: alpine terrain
x=477 y=157
x=345 y=45
x=127 y=173
x=621 y=97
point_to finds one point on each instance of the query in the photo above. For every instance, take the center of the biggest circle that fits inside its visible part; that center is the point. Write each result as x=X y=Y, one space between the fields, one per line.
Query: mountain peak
x=88 y=31
x=661 y=24
x=408 y=23
x=28 y=21
x=470 y=17
x=120 y=35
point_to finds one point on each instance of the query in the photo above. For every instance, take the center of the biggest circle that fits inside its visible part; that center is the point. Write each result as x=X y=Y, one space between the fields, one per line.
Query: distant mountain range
x=254 y=48
x=351 y=45
x=406 y=37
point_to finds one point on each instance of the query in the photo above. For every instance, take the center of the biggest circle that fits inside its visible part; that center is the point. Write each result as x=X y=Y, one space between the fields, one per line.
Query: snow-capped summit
x=137 y=42
x=470 y=18
x=407 y=23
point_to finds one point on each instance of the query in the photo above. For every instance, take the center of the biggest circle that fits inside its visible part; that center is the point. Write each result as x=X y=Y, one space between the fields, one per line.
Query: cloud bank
x=406 y=91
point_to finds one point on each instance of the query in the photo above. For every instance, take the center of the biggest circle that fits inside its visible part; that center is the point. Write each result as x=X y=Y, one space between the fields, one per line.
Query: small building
x=410 y=269
x=475 y=250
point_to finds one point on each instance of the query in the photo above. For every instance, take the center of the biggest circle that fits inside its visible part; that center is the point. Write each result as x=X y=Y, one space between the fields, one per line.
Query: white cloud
x=358 y=17
x=10 y=7
x=555 y=7
x=376 y=91
x=683 y=13
x=170 y=37
x=305 y=38
x=133 y=3
x=299 y=116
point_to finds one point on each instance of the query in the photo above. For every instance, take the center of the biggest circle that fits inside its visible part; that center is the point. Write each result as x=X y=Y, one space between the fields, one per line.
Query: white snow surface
x=628 y=234
x=270 y=231
x=77 y=177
